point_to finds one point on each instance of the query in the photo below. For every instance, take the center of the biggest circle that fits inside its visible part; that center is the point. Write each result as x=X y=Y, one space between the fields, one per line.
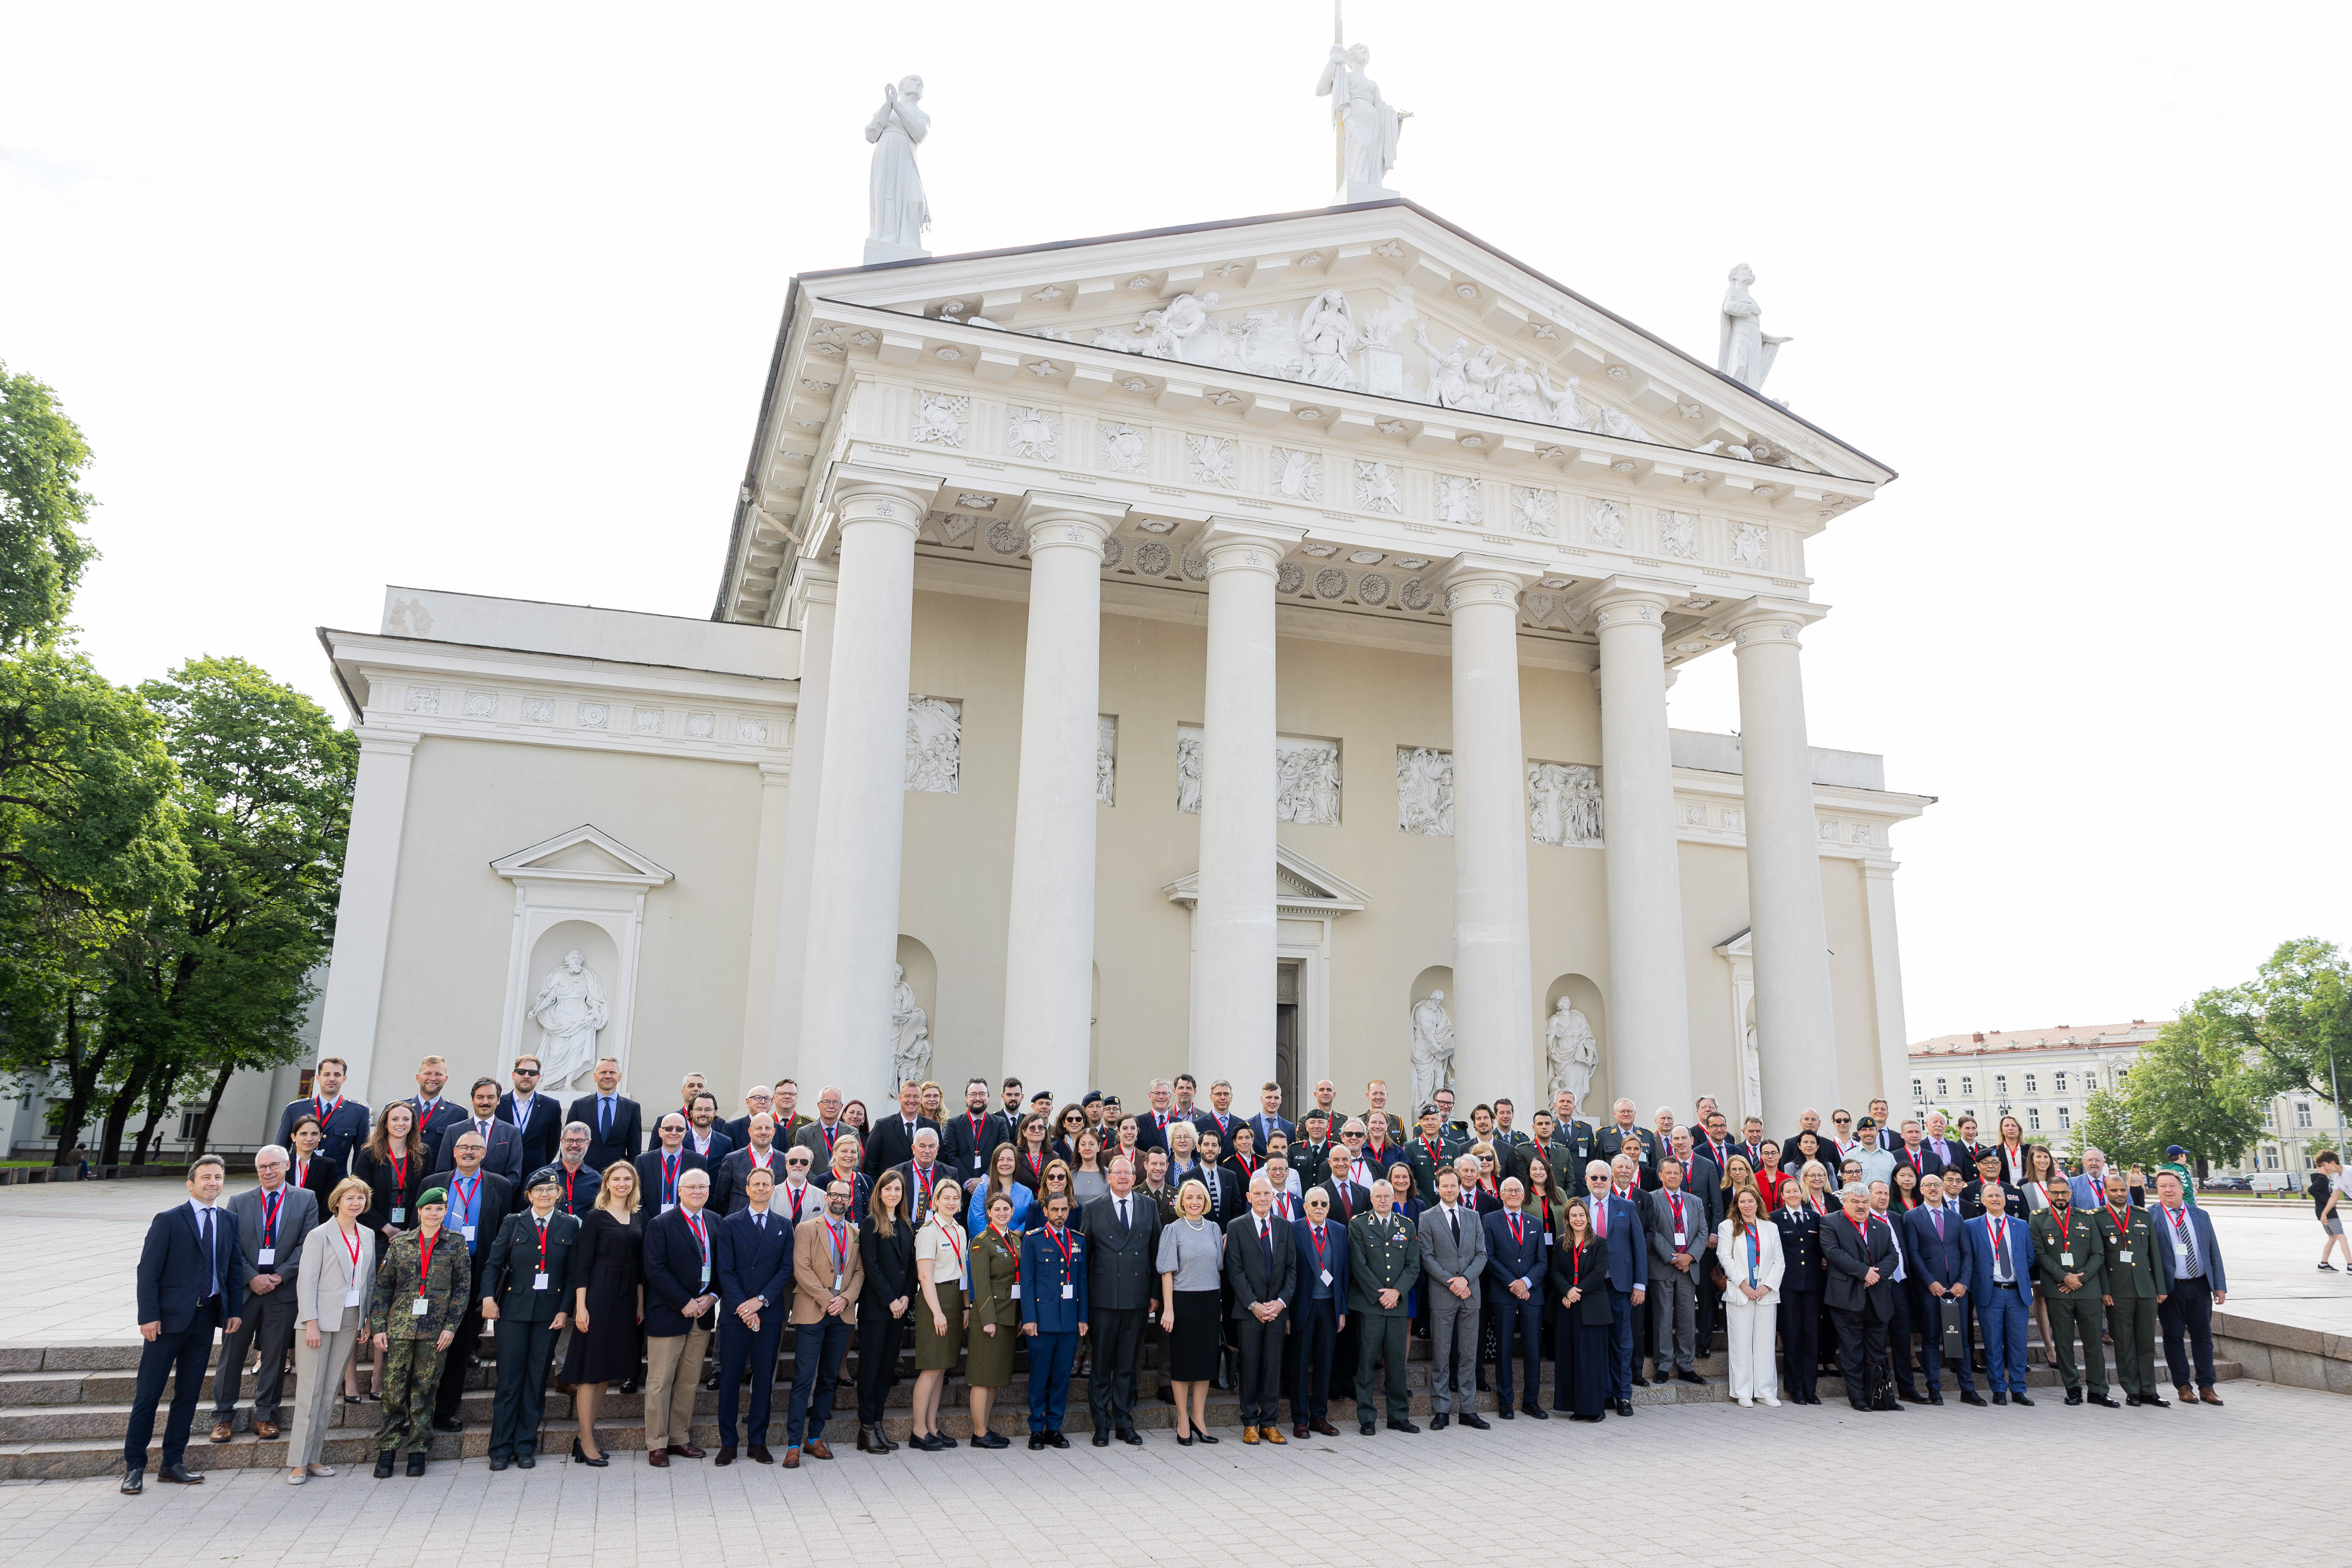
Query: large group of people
x=1277 y=1259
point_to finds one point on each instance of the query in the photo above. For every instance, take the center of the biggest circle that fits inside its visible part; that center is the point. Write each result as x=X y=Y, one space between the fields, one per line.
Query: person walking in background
x=332 y=1291
x=420 y=1293
x=2327 y=1201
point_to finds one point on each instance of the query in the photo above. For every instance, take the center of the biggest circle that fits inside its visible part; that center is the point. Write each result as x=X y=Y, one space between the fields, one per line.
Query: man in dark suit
x=891 y=1139
x=1703 y=1180
x=480 y=1203
x=501 y=1144
x=526 y=1289
x=758 y=1100
x=1122 y=1232
x=1938 y=1268
x=2192 y=1281
x=576 y=1181
x=659 y=1168
x=970 y=1137
x=1860 y=1257
x=615 y=1131
x=1318 y=1311
x=342 y=1123
x=1347 y=1198
x=1750 y=1146
x=1885 y=1135
x=681 y=1303
x=190 y=1283
x=923 y=1173
x=1311 y=1150
x=1151 y=1124
x=1576 y=1138
x=1943 y=1151
x=1972 y=1202
x=703 y=1135
x=534 y=1115
x=272 y=1218
x=728 y=1195
x=1054 y=1263
x=1514 y=1280
x=436 y=1111
x=1612 y=1198
x=1269 y=1119
x=755 y=1296
x=1262 y=1266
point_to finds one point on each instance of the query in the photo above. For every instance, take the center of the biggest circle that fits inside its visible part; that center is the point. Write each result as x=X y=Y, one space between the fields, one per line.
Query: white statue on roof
x=897 y=212
x=1744 y=349
x=1366 y=128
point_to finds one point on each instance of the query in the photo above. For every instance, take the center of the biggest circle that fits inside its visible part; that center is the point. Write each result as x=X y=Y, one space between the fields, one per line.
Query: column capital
x=1628 y=598
x=864 y=493
x=1062 y=521
x=386 y=743
x=1246 y=544
x=814 y=583
x=1766 y=621
x=1475 y=577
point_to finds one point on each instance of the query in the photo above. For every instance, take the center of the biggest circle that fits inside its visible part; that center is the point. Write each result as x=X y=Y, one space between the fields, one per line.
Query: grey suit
x=1452 y=1322
x=270 y=1316
x=1674 y=1293
x=502 y=1149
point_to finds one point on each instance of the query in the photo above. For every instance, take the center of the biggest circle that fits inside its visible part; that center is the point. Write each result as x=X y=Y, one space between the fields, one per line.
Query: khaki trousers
x=318 y=1386
x=673 y=1373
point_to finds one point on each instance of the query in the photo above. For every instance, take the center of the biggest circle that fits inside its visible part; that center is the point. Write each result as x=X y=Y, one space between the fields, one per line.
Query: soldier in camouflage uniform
x=420 y=1296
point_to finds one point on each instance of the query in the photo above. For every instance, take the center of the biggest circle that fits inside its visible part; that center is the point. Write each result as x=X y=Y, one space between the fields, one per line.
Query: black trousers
x=1261 y=1384
x=1116 y=1332
x=180 y=1358
x=524 y=1352
x=268 y=1325
x=739 y=1347
x=1862 y=1356
x=1708 y=1312
x=1314 y=1342
x=2187 y=1315
x=878 y=1335
x=1510 y=1316
x=1899 y=1364
x=451 y=1392
x=1800 y=1345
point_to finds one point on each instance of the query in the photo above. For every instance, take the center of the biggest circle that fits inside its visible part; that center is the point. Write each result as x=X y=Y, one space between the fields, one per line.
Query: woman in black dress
x=885 y=1245
x=1579 y=1283
x=608 y=1339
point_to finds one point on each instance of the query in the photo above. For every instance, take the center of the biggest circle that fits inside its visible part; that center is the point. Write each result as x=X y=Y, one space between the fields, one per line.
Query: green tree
x=2105 y=1125
x=42 y=550
x=2194 y=1085
x=2294 y=1014
x=215 y=978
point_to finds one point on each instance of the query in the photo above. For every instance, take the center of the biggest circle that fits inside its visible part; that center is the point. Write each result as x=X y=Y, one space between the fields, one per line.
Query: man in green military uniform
x=1384 y=1260
x=1430 y=1150
x=2069 y=1265
x=420 y=1296
x=1575 y=1137
x=2129 y=1252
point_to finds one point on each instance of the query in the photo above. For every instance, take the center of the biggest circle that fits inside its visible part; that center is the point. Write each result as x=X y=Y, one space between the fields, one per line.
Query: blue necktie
x=212 y=1259
x=604 y=1116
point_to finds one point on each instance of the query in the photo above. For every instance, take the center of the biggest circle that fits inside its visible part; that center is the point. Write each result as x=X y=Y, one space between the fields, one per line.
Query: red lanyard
x=271 y=1204
x=1314 y=1233
x=762 y=1158
x=2179 y=1219
x=669 y=1178
x=2000 y=1234
x=1037 y=1165
x=1675 y=1202
x=1518 y=1232
x=694 y=1223
x=399 y=1175
x=840 y=1245
x=1061 y=1241
x=352 y=1242
x=542 y=1247
x=1433 y=1155
x=953 y=1245
x=2064 y=1220
x=1861 y=1229
x=425 y=1267
x=923 y=1179
x=2122 y=1216
x=1011 y=1251
x=326 y=1112
x=569 y=1175
x=977 y=1123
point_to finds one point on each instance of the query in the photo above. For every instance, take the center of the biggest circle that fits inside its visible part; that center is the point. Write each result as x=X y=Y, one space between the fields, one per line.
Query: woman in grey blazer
x=332 y=1307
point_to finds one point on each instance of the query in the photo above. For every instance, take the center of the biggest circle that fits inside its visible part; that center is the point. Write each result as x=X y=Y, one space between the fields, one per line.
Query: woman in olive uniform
x=420 y=1295
x=996 y=1315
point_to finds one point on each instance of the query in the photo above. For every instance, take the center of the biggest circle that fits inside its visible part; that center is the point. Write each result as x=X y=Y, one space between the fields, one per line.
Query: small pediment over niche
x=1298 y=883
x=1740 y=946
x=585 y=854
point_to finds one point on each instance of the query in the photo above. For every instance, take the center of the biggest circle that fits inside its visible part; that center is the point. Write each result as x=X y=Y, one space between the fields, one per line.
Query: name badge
x=1679 y=1240
x=838 y=1282
x=1327 y=1277
x=664 y=1208
x=419 y=1306
x=538 y=1281
x=398 y=1215
x=1546 y=1239
x=1016 y=1292
x=469 y=1234
x=706 y=1274
x=2066 y=1258
x=1069 y=1292
x=266 y=1254
x=352 y=1297
x=2124 y=1256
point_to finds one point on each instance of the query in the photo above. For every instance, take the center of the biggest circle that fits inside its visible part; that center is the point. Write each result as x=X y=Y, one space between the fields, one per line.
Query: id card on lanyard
x=271 y=1204
x=701 y=1242
x=538 y=1279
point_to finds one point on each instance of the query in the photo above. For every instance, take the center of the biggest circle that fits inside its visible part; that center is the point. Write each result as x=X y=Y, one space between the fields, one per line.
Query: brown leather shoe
x=1249 y=1434
x=1299 y=1431
x=265 y=1429
x=657 y=1457
x=1323 y=1428
x=815 y=1449
x=686 y=1451
x=223 y=1432
x=792 y=1458
x=2188 y=1395
x=1273 y=1434
x=758 y=1452
x=2208 y=1396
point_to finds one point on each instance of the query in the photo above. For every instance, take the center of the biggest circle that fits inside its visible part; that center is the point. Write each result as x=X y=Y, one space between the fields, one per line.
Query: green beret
x=433 y=1195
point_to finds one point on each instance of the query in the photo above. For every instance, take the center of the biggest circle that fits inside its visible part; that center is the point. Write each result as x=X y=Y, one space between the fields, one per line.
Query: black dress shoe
x=1688 y=1378
x=417 y=1462
x=1135 y=1438
x=759 y=1454
x=1101 y=1439
x=1037 y=1442
x=1054 y=1439
x=1477 y=1423
x=1402 y=1426
x=1971 y=1396
x=628 y=1385
x=2131 y=1399
x=2156 y=1402
x=526 y=1461
x=1437 y=1423
x=451 y=1425
x=1641 y=1381
x=1503 y=1413
x=1536 y=1411
x=384 y=1464
x=1366 y=1427
x=133 y=1482
x=1936 y=1397
x=2074 y=1396
x=996 y=1440
x=2000 y=1396
x=499 y=1461
x=2105 y=1402
x=1624 y=1407
x=2020 y=1399
x=726 y=1453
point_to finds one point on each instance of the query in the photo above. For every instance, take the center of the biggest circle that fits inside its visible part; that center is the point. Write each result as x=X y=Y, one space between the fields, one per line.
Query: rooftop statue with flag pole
x=1365 y=127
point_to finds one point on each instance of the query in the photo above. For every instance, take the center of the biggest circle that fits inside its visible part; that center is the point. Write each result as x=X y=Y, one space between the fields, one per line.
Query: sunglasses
x=1352 y=1136
x=525 y=1072
x=1841 y=1120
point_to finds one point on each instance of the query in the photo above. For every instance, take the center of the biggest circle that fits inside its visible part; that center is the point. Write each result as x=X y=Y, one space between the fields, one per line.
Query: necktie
x=2187 y=1234
x=1600 y=1219
x=212 y=1262
x=1122 y=1216
x=484 y=1128
x=1453 y=1222
x=604 y=1116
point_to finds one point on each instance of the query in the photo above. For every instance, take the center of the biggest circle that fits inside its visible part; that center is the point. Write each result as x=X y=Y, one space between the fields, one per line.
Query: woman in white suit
x=331 y=1309
x=1749 y=1248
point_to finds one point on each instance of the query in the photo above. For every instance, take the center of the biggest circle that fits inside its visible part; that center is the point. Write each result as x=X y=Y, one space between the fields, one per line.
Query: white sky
x=484 y=301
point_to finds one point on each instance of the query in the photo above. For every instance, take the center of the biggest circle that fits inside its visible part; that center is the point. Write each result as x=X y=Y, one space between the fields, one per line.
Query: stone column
x=1649 y=1001
x=1493 y=988
x=1233 y=918
x=776 y=1053
x=1886 y=983
x=1050 y=936
x=354 y=995
x=853 y=903
x=1795 y=1027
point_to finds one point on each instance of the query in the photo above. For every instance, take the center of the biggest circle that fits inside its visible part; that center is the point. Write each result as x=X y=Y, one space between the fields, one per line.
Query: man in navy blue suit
x=192 y=1274
x=436 y=1113
x=2190 y=1284
x=2000 y=1280
x=755 y=1297
x=1321 y=1309
x=342 y=1123
x=534 y=1115
x=1513 y=1281
x=1053 y=1263
x=1269 y=1119
x=1938 y=1275
x=1618 y=1220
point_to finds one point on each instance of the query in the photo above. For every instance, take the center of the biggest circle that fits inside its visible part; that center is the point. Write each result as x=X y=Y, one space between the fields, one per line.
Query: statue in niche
x=1433 y=1049
x=1328 y=335
x=1751 y=1075
x=910 y=1032
x=1563 y=805
x=1188 y=770
x=1365 y=127
x=1571 y=1051
x=568 y=1010
x=1744 y=349
x=897 y=212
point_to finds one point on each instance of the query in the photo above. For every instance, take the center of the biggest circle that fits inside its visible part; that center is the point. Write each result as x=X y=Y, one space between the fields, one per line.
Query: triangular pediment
x=585 y=854
x=1298 y=883
x=1740 y=946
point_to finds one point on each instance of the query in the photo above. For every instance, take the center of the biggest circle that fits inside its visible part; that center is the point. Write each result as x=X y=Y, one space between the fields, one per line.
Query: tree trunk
x=118 y=1110
x=211 y=1108
x=159 y=1098
x=80 y=1079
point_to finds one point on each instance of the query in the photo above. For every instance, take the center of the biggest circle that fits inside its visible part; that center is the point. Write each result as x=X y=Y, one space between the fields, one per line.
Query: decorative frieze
x=934 y=745
x=1424 y=779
